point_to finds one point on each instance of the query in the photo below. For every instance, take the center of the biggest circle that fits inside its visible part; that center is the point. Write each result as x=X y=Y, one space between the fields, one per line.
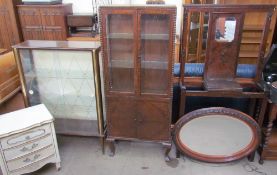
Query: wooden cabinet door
x=121 y=117
x=155 y=53
x=4 y=38
x=153 y=118
x=31 y=23
x=53 y=33
x=119 y=45
x=53 y=22
x=6 y=35
x=33 y=33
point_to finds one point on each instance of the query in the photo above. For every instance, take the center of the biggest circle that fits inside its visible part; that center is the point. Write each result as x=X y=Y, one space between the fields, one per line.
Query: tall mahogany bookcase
x=137 y=47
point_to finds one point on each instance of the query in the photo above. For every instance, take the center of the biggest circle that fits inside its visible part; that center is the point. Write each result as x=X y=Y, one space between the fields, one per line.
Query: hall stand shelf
x=138 y=72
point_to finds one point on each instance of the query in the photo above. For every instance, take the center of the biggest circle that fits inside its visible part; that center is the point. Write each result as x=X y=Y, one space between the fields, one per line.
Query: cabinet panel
x=33 y=32
x=154 y=53
x=4 y=31
x=53 y=21
x=10 y=34
x=121 y=117
x=53 y=33
x=154 y=119
x=121 y=51
x=29 y=16
x=7 y=38
x=49 y=18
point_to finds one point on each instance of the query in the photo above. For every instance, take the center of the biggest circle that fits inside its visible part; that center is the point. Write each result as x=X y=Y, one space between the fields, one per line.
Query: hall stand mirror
x=65 y=76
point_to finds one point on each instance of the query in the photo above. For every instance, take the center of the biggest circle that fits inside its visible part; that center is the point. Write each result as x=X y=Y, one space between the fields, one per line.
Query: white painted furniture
x=28 y=140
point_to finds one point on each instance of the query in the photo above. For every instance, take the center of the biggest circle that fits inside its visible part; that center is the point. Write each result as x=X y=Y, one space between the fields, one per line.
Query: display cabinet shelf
x=155 y=36
x=117 y=63
x=120 y=36
x=154 y=65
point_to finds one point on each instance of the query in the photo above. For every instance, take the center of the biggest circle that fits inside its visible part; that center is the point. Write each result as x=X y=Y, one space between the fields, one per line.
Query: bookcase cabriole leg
x=111 y=143
x=167 y=147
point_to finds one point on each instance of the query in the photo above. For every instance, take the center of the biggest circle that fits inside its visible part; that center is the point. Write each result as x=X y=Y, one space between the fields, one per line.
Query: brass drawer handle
x=24 y=149
x=28 y=160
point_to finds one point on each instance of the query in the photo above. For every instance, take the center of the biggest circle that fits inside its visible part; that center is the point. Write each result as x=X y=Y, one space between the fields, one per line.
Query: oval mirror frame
x=246 y=119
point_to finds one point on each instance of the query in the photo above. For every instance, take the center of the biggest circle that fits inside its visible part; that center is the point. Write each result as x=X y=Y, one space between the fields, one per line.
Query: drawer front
x=32 y=158
x=34 y=166
x=26 y=136
x=28 y=148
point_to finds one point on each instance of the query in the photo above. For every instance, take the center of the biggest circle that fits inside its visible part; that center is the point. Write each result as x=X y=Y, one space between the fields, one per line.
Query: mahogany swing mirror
x=216 y=135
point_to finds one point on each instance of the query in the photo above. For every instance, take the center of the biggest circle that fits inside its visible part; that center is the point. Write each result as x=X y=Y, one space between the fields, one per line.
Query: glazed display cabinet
x=65 y=76
x=137 y=45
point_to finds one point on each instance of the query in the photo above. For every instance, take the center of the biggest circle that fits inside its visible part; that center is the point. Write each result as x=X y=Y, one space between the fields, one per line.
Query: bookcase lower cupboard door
x=64 y=76
x=137 y=47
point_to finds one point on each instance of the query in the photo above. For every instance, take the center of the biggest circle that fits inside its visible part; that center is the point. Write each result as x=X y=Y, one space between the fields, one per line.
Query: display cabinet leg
x=112 y=147
x=251 y=157
x=58 y=166
x=167 y=147
x=102 y=142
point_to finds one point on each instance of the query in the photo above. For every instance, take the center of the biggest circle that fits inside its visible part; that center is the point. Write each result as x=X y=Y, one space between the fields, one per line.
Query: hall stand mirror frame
x=65 y=76
x=220 y=78
x=208 y=134
x=138 y=50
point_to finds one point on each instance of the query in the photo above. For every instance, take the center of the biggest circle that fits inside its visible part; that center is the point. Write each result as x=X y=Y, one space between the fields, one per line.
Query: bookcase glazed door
x=155 y=55
x=154 y=52
x=120 y=50
x=119 y=45
x=63 y=80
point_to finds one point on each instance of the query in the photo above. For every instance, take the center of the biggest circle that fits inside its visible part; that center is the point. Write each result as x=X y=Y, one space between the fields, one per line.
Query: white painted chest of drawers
x=27 y=141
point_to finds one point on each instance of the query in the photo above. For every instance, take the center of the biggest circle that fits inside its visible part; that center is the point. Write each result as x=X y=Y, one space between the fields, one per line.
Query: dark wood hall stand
x=222 y=56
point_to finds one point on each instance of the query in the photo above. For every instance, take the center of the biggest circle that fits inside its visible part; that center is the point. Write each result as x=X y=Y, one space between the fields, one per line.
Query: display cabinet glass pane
x=62 y=80
x=154 y=53
x=120 y=44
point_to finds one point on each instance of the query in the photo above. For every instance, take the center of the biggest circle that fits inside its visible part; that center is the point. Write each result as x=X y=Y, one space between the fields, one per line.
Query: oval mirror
x=216 y=135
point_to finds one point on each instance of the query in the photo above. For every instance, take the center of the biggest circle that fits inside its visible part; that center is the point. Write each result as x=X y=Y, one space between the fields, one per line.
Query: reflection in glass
x=154 y=53
x=62 y=80
x=120 y=45
x=197 y=37
x=225 y=29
